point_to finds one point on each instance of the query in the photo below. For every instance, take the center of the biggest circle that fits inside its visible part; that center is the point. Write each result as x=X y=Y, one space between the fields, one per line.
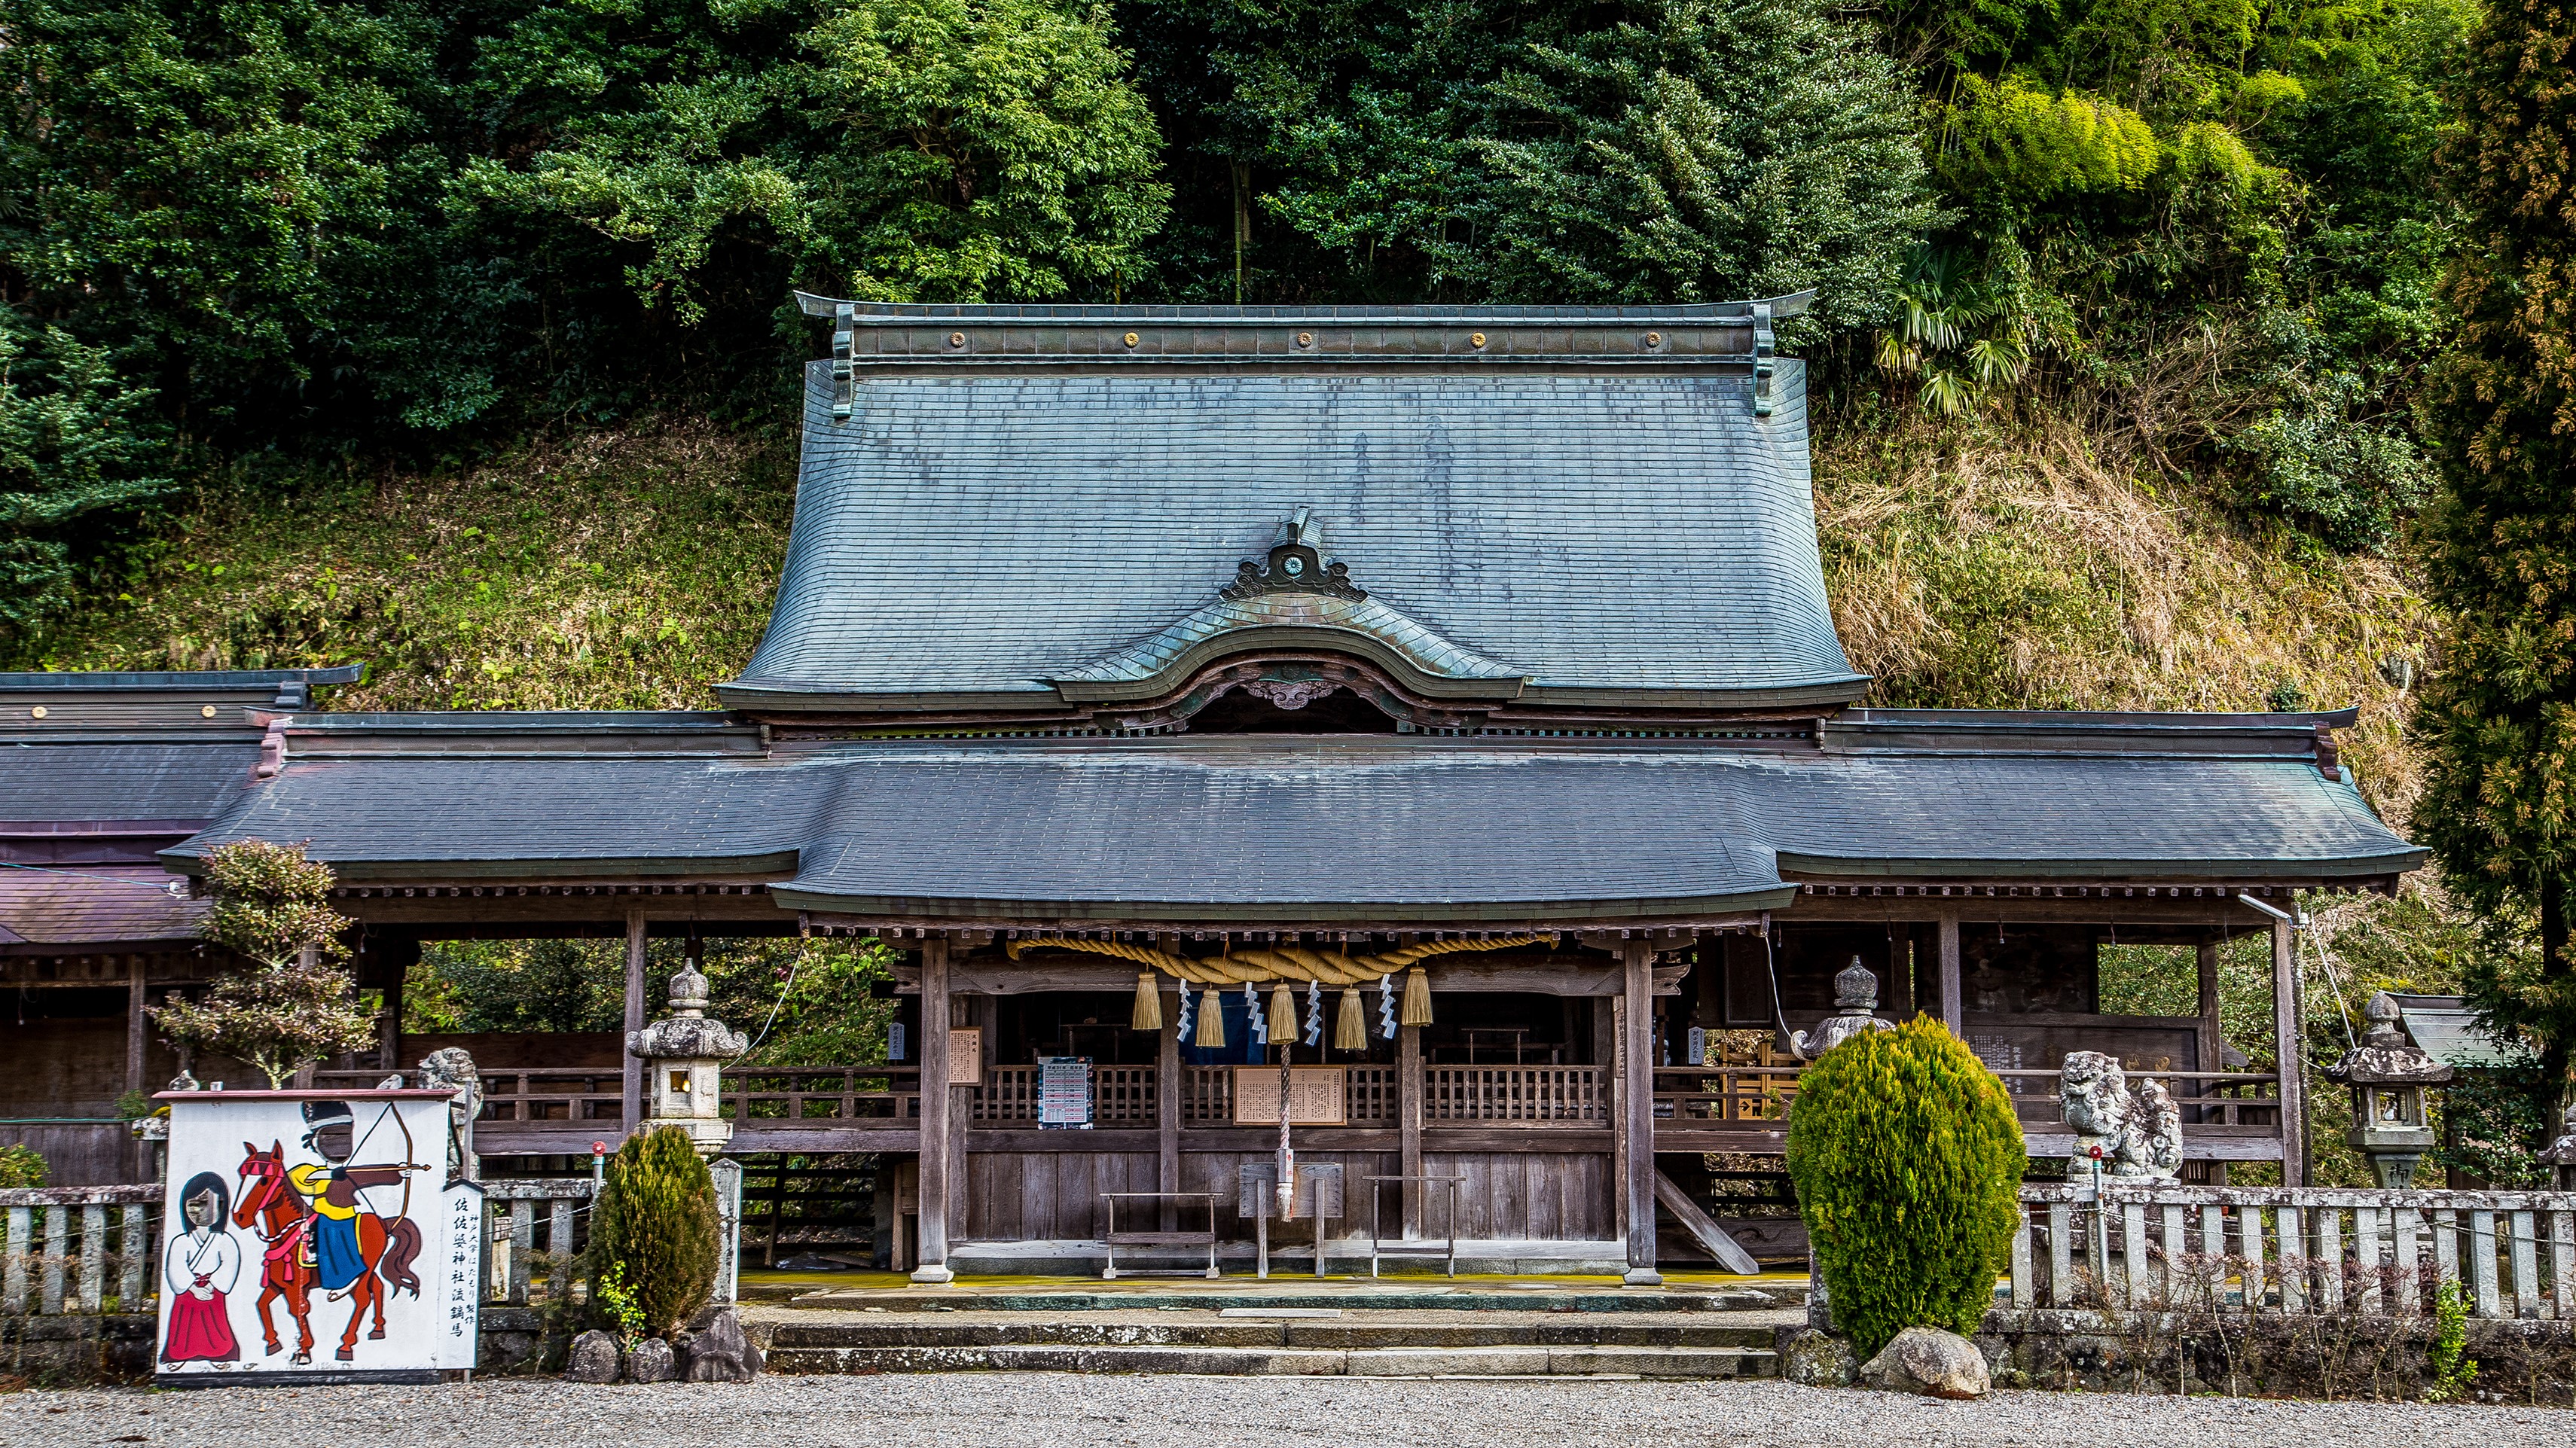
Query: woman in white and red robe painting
x=201 y=1266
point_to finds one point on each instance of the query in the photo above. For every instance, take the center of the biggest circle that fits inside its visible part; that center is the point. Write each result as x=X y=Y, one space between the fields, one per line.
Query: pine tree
x=656 y=1227
x=1907 y=1159
x=2499 y=807
x=293 y=1007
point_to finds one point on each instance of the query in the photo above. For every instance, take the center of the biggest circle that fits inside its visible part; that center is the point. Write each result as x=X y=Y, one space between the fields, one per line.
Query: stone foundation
x=2287 y=1356
x=76 y=1350
x=64 y=1351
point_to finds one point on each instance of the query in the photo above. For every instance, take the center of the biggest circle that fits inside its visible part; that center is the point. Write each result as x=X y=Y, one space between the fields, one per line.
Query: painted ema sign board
x=312 y=1237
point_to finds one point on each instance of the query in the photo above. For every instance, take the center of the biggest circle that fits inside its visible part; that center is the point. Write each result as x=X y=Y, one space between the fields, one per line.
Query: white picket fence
x=2160 y=1246
x=61 y=1238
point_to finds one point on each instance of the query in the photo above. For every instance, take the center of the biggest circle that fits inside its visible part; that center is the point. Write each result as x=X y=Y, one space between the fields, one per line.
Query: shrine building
x=1467 y=672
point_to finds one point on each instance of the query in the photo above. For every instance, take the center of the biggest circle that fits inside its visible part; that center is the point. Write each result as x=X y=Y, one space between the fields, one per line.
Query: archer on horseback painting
x=326 y=1212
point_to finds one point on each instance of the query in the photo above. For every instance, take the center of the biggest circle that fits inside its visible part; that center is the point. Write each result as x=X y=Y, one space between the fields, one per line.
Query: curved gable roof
x=1611 y=526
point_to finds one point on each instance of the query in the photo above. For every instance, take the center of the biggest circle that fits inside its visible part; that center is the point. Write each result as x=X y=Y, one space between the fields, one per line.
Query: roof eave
x=1285 y=912
x=1968 y=867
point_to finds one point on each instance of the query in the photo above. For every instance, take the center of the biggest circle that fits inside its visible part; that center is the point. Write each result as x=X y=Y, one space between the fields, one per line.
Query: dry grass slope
x=2024 y=569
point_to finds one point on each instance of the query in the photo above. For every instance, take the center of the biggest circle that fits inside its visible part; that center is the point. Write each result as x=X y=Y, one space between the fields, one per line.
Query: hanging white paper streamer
x=1185 y=1012
x=1386 y=1006
x=1314 y=1012
x=1252 y=1007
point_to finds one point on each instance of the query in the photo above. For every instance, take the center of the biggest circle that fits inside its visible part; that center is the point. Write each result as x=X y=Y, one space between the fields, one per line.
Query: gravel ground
x=1015 y=1409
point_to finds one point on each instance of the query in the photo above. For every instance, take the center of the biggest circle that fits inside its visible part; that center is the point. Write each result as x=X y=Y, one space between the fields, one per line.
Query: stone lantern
x=2562 y=1152
x=683 y=1055
x=2388 y=1074
x=1855 y=1011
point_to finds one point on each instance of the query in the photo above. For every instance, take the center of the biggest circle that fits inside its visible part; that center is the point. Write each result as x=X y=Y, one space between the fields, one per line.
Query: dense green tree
x=196 y=187
x=78 y=448
x=934 y=150
x=2499 y=805
x=1663 y=150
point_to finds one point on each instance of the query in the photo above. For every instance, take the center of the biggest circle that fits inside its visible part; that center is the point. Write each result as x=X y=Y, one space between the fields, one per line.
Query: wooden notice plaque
x=1315 y=1095
x=966 y=1055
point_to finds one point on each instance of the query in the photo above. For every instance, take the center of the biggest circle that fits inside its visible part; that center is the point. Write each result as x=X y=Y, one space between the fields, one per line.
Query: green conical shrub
x=1907 y=1159
x=656 y=1228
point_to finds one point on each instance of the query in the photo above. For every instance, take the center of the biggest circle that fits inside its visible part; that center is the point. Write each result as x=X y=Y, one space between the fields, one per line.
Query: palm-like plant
x=1958 y=337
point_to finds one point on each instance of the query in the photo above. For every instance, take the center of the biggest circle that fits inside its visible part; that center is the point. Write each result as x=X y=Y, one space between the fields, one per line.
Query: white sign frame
x=339 y=1199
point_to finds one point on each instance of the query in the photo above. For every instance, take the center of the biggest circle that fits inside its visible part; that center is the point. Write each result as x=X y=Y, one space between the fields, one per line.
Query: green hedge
x=1907 y=1158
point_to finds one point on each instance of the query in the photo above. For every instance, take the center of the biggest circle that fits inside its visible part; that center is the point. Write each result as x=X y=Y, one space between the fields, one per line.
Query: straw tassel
x=1417 y=998
x=1149 y=1004
x=1283 y=1015
x=1211 y=1021
x=1350 y=1028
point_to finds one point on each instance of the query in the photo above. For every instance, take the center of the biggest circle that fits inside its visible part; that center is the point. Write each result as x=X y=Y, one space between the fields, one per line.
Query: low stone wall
x=2327 y=1356
x=51 y=1351
x=76 y=1349
x=2319 y=1355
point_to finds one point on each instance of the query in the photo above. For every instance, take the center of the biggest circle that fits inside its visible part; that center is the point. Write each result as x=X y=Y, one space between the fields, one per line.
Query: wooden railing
x=1373 y=1095
x=1121 y=1096
x=2164 y=1247
x=1207 y=1095
x=1516 y=1095
x=60 y=1237
x=1716 y=1094
x=822 y=1093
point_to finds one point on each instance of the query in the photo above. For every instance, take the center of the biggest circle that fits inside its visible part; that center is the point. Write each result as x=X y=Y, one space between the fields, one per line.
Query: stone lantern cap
x=2562 y=1152
x=1855 y=1000
x=688 y=1032
x=2385 y=1057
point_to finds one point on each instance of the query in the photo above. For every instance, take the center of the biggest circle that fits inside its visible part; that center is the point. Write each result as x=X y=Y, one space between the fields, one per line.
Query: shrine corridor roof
x=1315 y=828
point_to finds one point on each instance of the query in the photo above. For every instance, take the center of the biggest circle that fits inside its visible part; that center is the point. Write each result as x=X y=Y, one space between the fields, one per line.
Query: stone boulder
x=714 y=1349
x=649 y=1361
x=1819 y=1360
x=593 y=1358
x=1929 y=1361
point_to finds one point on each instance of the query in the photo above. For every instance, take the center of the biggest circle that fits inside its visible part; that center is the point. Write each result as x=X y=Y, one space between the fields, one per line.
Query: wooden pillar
x=2212 y=1035
x=1614 y=1060
x=1900 y=970
x=1409 y=1090
x=137 y=1040
x=2212 y=1032
x=932 y=1250
x=632 y=1097
x=389 y=1030
x=982 y=1011
x=1637 y=1108
x=1171 y=1080
x=2287 y=1014
x=1953 y=1008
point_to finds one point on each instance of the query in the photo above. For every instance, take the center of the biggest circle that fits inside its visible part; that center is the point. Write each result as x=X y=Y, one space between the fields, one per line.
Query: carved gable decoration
x=1296 y=566
x=1298 y=604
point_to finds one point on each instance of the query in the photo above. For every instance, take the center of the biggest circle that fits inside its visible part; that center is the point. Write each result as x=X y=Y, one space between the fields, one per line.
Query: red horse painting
x=321 y=1236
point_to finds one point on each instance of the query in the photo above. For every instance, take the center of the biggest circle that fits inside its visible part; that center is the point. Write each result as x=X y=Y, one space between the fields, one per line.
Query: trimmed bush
x=1908 y=1160
x=655 y=1228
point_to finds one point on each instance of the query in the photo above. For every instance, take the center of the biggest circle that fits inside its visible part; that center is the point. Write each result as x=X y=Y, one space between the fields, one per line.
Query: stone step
x=1400 y=1362
x=1465 y=1330
x=1348 y=1297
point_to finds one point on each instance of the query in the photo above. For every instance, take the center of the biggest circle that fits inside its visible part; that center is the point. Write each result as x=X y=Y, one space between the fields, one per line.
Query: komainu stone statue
x=453 y=1069
x=2132 y=1134
x=1855 y=1011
